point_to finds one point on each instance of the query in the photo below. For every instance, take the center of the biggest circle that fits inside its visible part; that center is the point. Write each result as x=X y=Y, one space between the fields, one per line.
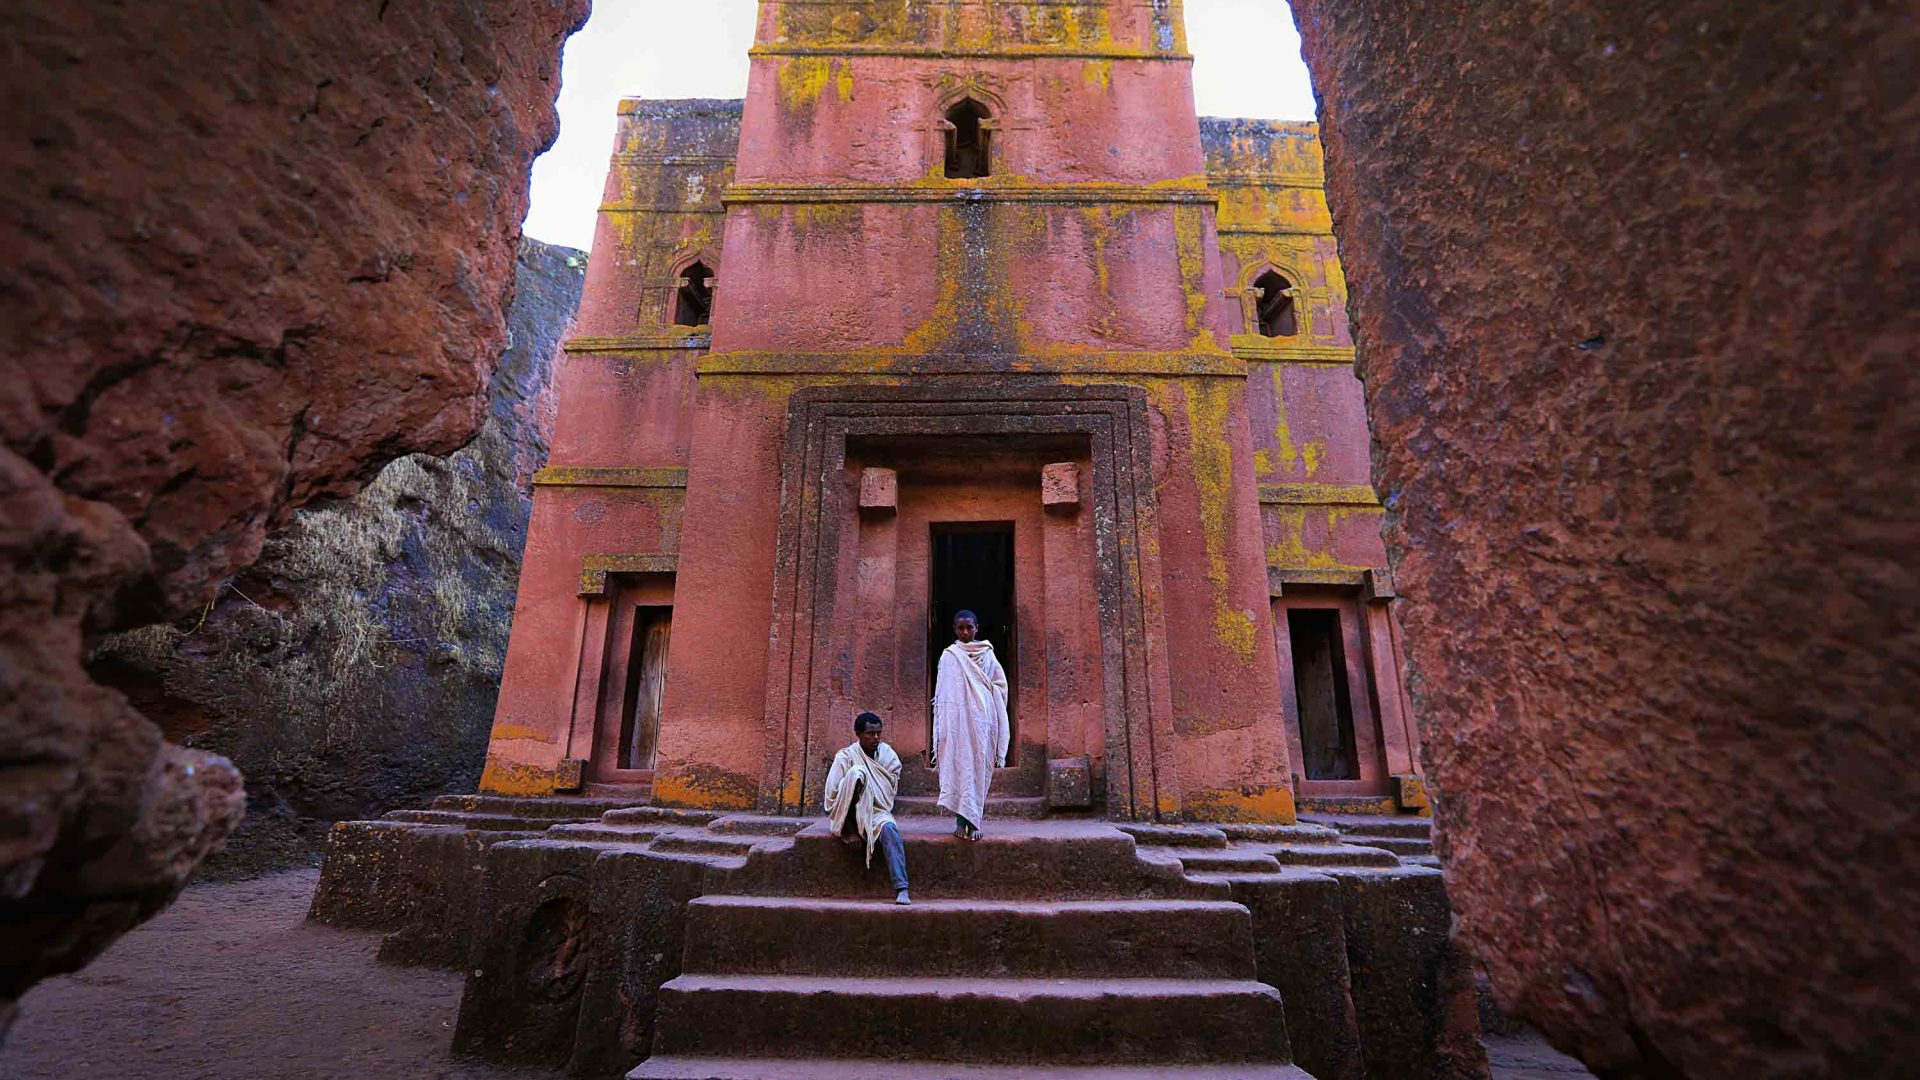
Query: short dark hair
x=963 y=613
x=866 y=720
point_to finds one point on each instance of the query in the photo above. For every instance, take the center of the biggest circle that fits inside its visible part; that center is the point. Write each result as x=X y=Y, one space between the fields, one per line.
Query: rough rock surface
x=1637 y=295
x=253 y=252
x=353 y=669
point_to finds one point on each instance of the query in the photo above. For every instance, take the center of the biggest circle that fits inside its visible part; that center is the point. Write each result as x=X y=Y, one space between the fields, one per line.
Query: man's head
x=965 y=626
x=866 y=727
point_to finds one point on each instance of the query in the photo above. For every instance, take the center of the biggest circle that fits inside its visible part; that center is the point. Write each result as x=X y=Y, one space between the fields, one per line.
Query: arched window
x=967 y=140
x=1273 y=305
x=693 y=304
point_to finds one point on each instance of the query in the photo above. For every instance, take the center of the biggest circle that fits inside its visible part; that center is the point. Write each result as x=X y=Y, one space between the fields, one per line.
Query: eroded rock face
x=1637 y=294
x=253 y=253
x=353 y=669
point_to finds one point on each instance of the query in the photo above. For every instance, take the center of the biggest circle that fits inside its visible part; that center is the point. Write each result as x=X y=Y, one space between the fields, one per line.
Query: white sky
x=1246 y=62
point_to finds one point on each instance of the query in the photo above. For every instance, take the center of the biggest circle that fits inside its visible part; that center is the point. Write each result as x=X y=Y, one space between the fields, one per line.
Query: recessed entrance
x=971 y=569
x=646 y=686
x=1320 y=683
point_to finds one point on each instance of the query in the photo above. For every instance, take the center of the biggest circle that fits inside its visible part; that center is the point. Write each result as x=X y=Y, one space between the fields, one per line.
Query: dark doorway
x=972 y=570
x=646 y=686
x=1320 y=686
x=967 y=149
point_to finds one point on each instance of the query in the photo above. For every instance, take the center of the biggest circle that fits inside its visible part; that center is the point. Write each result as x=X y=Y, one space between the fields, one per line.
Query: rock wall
x=253 y=253
x=353 y=669
x=1637 y=295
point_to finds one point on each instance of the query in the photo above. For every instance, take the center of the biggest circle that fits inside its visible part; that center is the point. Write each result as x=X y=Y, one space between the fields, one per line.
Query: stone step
x=1399 y=845
x=1299 y=833
x=1181 y=939
x=1225 y=860
x=666 y=1067
x=759 y=825
x=660 y=815
x=476 y=822
x=600 y=832
x=1347 y=805
x=1188 y=836
x=1019 y=807
x=1013 y=862
x=1376 y=824
x=1329 y=855
x=707 y=843
x=1070 y=1021
x=555 y=806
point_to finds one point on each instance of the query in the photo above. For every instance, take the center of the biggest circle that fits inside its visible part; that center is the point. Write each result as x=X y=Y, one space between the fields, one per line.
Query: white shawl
x=970 y=729
x=875 y=806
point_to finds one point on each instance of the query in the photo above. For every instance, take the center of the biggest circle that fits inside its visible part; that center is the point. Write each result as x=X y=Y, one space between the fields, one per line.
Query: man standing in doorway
x=859 y=798
x=970 y=730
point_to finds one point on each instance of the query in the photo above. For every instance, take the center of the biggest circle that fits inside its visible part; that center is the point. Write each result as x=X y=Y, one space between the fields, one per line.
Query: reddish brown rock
x=1637 y=294
x=252 y=254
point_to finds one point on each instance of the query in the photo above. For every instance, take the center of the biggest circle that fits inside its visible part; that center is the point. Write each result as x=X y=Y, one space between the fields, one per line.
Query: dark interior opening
x=967 y=145
x=1275 y=306
x=693 y=304
x=972 y=570
x=646 y=686
x=1320 y=686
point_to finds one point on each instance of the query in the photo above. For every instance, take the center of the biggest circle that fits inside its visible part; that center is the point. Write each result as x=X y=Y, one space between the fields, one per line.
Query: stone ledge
x=1276 y=350
x=610 y=476
x=872 y=363
x=1318 y=495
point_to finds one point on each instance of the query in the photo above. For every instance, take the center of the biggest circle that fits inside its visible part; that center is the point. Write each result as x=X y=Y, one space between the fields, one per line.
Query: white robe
x=970 y=729
x=875 y=806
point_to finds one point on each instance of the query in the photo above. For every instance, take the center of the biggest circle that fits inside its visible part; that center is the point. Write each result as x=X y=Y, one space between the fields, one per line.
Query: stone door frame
x=817 y=508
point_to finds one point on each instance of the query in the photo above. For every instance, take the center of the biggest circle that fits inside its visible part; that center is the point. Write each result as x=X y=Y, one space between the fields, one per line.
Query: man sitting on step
x=859 y=797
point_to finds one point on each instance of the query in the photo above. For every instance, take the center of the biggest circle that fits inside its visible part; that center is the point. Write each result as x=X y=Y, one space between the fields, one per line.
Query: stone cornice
x=659 y=208
x=1319 y=495
x=609 y=476
x=939 y=52
x=595 y=568
x=1310 y=181
x=1256 y=349
x=680 y=337
x=1186 y=191
x=1191 y=364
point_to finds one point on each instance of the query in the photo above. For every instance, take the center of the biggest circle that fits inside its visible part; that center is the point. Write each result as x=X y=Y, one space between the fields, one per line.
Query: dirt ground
x=232 y=983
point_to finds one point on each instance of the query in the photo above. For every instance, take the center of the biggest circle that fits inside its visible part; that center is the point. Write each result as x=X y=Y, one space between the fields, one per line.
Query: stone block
x=571 y=775
x=363 y=877
x=1070 y=782
x=523 y=993
x=1300 y=949
x=1060 y=487
x=879 y=491
x=1411 y=793
x=638 y=908
x=1379 y=584
x=1412 y=986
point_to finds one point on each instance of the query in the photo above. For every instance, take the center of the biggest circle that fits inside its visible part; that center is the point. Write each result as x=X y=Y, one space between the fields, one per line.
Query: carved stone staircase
x=709 y=946
x=1024 y=954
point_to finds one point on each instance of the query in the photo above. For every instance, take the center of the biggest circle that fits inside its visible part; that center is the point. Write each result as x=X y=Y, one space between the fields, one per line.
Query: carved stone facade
x=793 y=289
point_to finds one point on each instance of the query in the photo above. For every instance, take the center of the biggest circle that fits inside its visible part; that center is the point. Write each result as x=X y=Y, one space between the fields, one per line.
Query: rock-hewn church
x=961 y=307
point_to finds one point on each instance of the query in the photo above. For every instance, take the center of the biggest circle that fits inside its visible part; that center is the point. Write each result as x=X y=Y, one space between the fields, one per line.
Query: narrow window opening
x=1275 y=306
x=693 y=304
x=967 y=141
x=646 y=686
x=1320 y=686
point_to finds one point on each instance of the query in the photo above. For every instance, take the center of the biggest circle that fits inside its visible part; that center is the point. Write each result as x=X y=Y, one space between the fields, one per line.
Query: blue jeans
x=893 y=850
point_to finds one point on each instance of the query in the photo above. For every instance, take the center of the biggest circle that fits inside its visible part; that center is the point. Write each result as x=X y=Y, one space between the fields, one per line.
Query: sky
x=1246 y=62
